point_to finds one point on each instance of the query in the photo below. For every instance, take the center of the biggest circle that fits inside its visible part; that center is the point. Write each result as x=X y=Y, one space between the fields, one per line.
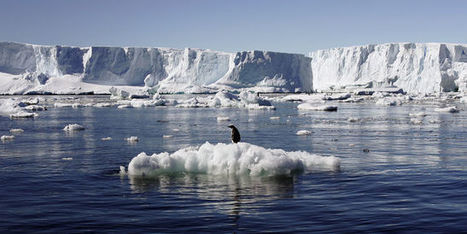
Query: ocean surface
x=395 y=175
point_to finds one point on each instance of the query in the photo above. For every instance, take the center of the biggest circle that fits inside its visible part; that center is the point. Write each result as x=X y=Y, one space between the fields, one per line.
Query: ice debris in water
x=312 y=106
x=35 y=108
x=67 y=159
x=7 y=138
x=106 y=138
x=132 y=139
x=449 y=109
x=303 y=133
x=16 y=130
x=23 y=115
x=223 y=118
x=352 y=119
x=73 y=127
x=237 y=159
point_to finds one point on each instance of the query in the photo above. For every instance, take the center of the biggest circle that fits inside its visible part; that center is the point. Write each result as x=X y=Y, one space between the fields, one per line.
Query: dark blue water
x=412 y=179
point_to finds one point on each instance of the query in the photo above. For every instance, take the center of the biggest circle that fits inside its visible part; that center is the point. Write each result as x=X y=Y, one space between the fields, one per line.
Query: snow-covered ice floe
x=231 y=159
x=73 y=127
x=23 y=115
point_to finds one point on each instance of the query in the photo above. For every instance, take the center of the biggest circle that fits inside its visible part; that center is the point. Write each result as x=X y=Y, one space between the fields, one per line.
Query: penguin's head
x=231 y=126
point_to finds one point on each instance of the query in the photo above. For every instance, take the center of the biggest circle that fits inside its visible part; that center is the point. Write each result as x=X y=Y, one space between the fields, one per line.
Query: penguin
x=235 y=134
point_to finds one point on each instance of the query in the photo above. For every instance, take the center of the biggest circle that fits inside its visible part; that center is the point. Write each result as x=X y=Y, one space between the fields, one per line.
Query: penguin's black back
x=235 y=134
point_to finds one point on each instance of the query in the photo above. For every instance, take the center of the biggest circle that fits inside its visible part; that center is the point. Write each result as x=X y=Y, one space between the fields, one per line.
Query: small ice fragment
x=122 y=171
x=106 y=138
x=176 y=130
x=67 y=159
x=352 y=120
x=16 y=130
x=223 y=118
x=124 y=106
x=167 y=136
x=416 y=121
x=304 y=133
x=36 y=108
x=449 y=109
x=274 y=117
x=418 y=114
x=23 y=115
x=73 y=127
x=311 y=106
x=7 y=138
x=132 y=139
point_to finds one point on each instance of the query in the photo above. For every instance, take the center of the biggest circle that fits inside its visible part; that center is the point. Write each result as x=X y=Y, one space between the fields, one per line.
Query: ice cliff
x=414 y=67
x=28 y=68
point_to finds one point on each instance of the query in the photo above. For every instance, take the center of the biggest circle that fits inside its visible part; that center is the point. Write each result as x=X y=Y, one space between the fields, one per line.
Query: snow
x=73 y=127
x=230 y=159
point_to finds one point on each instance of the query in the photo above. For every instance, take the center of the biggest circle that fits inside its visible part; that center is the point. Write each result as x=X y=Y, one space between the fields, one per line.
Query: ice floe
x=16 y=130
x=7 y=138
x=73 y=127
x=231 y=159
x=303 y=133
x=314 y=107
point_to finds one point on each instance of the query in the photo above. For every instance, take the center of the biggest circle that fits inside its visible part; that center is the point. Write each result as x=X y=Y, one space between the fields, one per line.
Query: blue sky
x=287 y=26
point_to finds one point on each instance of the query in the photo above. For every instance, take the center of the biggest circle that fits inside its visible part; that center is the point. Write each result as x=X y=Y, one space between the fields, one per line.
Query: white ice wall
x=415 y=67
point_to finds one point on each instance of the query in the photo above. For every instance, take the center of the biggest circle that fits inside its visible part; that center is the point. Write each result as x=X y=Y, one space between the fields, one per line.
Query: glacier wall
x=170 y=70
x=415 y=67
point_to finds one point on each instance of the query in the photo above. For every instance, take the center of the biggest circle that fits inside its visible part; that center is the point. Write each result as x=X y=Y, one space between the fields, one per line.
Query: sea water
x=394 y=174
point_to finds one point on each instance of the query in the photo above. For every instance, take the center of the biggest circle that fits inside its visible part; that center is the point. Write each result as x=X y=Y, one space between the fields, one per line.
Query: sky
x=295 y=26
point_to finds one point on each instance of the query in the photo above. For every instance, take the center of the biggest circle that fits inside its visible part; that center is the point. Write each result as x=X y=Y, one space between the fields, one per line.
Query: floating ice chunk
x=303 y=133
x=337 y=97
x=103 y=104
x=311 y=106
x=449 y=109
x=223 y=118
x=76 y=105
x=192 y=103
x=106 y=138
x=7 y=138
x=274 y=117
x=67 y=159
x=416 y=121
x=16 y=131
x=353 y=120
x=418 y=114
x=132 y=139
x=124 y=106
x=23 y=115
x=35 y=108
x=73 y=127
x=389 y=102
x=116 y=93
x=32 y=101
x=122 y=171
x=59 y=104
x=167 y=136
x=224 y=99
x=234 y=159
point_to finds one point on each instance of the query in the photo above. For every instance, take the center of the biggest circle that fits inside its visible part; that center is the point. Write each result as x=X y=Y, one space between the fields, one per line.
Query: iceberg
x=230 y=159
